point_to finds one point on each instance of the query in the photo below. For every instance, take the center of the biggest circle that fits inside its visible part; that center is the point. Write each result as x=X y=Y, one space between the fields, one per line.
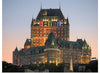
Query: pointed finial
x=67 y=17
x=85 y=41
x=59 y=5
x=67 y=20
x=32 y=21
x=32 y=17
x=41 y=6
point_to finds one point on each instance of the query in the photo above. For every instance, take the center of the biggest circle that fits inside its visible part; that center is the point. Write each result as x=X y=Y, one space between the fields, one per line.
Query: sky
x=17 y=16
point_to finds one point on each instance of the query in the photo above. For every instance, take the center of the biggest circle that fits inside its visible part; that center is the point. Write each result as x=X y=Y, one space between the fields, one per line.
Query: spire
x=32 y=21
x=16 y=49
x=67 y=21
x=85 y=41
x=59 y=5
x=41 y=6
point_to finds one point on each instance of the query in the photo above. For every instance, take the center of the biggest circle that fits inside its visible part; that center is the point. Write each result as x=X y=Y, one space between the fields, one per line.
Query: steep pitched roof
x=33 y=50
x=75 y=44
x=51 y=12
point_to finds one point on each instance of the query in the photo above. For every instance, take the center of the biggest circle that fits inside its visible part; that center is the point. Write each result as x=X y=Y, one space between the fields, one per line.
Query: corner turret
x=67 y=21
x=32 y=22
x=27 y=44
x=16 y=49
x=15 y=56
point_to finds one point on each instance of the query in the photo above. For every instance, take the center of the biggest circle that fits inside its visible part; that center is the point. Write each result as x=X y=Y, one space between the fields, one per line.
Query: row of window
x=73 y=52
x=46 y=35
x=57 y=29
x=72 y=57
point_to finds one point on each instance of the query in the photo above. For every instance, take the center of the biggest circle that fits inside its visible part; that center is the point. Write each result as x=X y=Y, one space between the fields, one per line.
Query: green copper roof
x=51 y=40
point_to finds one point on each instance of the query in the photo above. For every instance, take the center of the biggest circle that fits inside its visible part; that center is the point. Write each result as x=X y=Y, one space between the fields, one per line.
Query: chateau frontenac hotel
x=50 y=42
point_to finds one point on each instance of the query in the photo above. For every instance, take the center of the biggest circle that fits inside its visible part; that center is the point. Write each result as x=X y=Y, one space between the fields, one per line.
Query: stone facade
x=47 y=21
x=50 y=43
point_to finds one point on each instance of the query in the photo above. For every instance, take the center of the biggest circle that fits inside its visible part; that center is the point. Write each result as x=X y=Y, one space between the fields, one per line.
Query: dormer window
x=45 y=13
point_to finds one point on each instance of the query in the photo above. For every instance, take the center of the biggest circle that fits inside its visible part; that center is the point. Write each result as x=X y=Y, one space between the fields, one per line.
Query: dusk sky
x=17 y=16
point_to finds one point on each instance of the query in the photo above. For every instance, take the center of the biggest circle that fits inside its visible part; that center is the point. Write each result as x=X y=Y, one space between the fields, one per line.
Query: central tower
x=47 y=21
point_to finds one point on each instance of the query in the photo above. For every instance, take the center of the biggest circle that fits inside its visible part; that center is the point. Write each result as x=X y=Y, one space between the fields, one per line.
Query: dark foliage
x=32 y=66
x=52 y=67
x=93 y=66
x=8 y=67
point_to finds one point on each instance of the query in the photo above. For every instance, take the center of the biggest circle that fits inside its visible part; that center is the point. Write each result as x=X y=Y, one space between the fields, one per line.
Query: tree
x=41 y=67
x=60 y=67
x=33 y=66
x=8 y=67
x=93 y=66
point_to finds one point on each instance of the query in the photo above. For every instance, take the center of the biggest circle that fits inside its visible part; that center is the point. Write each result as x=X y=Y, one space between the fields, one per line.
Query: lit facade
x=47 y=21
x=50 y=42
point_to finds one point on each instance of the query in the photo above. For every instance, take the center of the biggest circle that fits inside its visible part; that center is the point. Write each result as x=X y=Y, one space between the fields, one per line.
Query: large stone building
x=49 y=20
x=50 y=42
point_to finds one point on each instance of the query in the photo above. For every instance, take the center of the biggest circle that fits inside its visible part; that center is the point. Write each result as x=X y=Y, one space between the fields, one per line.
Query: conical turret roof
x=51 y=39
x=16 y=49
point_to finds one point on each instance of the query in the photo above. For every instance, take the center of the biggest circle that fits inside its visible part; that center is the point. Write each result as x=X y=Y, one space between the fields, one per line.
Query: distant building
x=50 y=42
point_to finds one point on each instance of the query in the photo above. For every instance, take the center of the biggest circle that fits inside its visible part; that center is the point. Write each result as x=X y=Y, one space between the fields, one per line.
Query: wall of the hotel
x=39 y=35
x=59 y=56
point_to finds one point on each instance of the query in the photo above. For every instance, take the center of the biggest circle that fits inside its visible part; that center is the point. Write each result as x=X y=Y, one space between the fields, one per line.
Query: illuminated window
x=40 y=23
x=40 y=34
x=45 y=13
x=64 y=22
x=58 y=23
x=84 y=57
x=34 y=23
x=51 y=23
x=75 y=57
x=54 y=23
x=66 y=56
x=40 y=31
x=45 y=23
